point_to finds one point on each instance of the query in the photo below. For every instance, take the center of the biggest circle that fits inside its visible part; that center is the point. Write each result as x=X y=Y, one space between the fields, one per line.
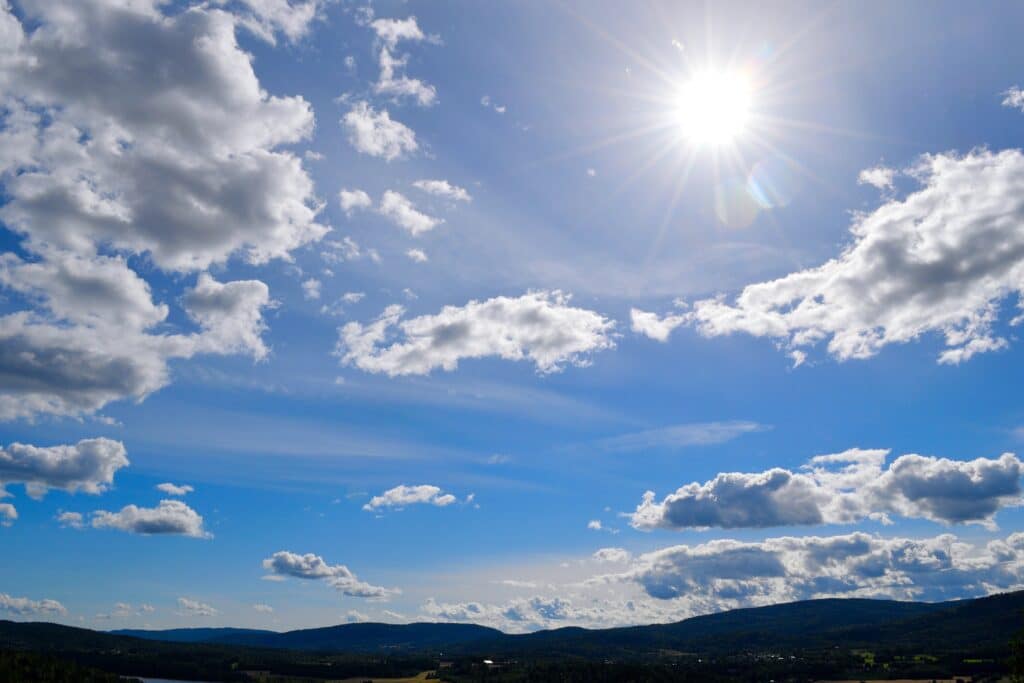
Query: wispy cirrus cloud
x=681 y=435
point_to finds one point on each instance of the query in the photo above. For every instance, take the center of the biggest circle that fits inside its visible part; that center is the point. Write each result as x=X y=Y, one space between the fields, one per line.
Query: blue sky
x=209 y=226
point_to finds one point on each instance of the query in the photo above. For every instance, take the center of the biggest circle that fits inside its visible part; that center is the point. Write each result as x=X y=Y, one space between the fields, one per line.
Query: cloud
x=355 y=617
x=879 y=176
x=174 y=489
x=400 y=496
x=87 y=341
x=230 y=315
x=539 y=326
x=612 y=555
x=352 y=200
x=397 y=208
x=71 y=520
x=264 y=609
x=595 y=525
x=417 y=255
x=653 y=326
x=8 y=514
x=353 y=297
x=516 y=615
x=725 y=573
x=841 y=489
x=171 y=517
x=346 y=249
x=395 y=83
x=194 y=608
x=392 y=31
x=681 y=436
x=26 y=607
x=488 y=103
x=309 y=566
x=941 y=260
x=376 y=134
x=162 y=142
x=311 y=288
x=442 y=188
x=88 y=466
x=1014 y=97
x=290 y=17
x=124 y=609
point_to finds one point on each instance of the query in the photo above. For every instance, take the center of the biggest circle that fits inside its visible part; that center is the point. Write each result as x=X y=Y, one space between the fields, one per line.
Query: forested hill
x=986 y=623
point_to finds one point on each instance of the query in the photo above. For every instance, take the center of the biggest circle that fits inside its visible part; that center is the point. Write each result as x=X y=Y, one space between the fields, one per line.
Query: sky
x=523 y=314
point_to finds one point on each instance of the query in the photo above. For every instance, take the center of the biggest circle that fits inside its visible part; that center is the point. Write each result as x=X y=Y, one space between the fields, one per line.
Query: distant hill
x=361 y=638
x=192 y=635
x=984 y=623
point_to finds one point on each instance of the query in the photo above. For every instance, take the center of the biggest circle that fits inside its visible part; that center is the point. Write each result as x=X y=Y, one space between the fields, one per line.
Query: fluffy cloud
x=71 y=520
x=397 y=208
x=376 y=134
x=169 y=517
x=654 y=326
x=403 y=495
x=311 y=288
x=174 y=489
x=8 y=514
x=612 y=555
x=943 y=259
x=417 y=255
x=293 y=18
x=230 y=315
x=130 y=132
x=193 y=608
x=528 y=614
x=88 y=466
x=391 y=31
x=309 y=566
x=1014 y=98
x=725 y=574
x=264 y=609
x=538 y=326
x=352 y=200
x=25 y=607
x=840 y=489
x=879 y=176
x=161 y=142
x=442 y=188
x=394 y=83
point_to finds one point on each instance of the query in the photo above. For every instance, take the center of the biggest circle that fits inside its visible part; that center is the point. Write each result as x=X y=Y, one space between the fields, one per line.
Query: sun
x=713 y=107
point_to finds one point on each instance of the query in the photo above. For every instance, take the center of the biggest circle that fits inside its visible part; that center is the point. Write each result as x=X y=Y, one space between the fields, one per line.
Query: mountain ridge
x=989 y=621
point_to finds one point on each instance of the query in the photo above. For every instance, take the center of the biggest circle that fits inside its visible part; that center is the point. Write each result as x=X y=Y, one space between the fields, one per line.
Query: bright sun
x=713 y=107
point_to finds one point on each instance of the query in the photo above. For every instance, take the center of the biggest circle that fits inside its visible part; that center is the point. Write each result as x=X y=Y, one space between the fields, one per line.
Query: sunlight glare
x=713 y=107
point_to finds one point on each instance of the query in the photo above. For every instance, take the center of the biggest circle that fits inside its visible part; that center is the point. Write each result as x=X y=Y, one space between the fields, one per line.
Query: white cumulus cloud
x=539 y=326
x=171 y=517
x=400 y=496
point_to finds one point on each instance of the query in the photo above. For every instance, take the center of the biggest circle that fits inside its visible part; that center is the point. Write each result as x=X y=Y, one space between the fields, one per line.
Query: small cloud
x=311 y=289
x=265 y=609
x=417 y=255
x=174 y=490
x=71 y=520
x=591 y=172
x=194 y=608
x=353 y=200
x=880 y=177
x=353 y=297
x=442 y=188
x=1014 y=97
